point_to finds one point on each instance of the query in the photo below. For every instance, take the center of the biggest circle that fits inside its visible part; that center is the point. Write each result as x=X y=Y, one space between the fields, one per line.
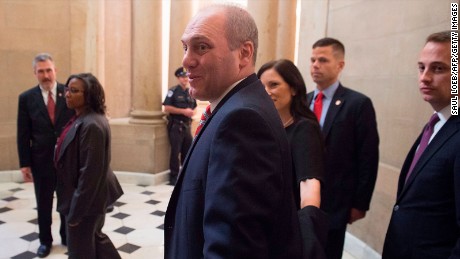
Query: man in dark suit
x=347 y=120
x=233 y=197
x=42 y=113
x=425 y=223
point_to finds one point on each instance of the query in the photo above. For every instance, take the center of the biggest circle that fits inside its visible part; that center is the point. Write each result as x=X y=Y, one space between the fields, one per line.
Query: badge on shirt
x=170 y=93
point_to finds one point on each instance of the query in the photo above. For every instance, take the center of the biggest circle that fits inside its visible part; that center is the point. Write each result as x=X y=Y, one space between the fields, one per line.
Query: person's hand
x=27 y=174
x=188 y=112
x=355 y=215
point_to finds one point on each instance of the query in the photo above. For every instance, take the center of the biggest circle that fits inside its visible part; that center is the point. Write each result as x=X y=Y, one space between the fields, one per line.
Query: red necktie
x=427 y=132
x=318 y=106
x=51 y=106
x=204 y=117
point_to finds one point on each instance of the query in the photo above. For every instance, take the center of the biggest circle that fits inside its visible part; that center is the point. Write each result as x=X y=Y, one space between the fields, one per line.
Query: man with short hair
x=425 y=222
x=233 y=197
x=349 y=126
x=42 y=113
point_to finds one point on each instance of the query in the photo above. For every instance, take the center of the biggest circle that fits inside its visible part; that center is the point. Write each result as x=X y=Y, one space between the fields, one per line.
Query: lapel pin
x=338 y=102
x=60 y=95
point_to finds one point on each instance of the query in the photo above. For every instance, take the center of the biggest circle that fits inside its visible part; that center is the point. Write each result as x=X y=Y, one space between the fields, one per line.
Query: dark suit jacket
x=86 y=184
x=36 y=135
x=426 y=217
x=234 y=196
x=351 y=161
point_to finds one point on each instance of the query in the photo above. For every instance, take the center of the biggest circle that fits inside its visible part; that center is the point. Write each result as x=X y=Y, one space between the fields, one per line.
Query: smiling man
x=233 y=197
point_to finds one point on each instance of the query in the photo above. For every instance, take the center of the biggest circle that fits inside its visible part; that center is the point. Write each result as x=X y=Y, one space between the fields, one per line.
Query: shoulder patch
x=170 y=93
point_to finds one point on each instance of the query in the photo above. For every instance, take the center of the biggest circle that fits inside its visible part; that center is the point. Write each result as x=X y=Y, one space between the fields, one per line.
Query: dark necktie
x=51 y=106
x=318 y=105
x=204 y=117
x=427 y=132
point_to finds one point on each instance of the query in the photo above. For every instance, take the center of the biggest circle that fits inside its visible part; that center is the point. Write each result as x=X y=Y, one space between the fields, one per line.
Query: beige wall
x=382 y=40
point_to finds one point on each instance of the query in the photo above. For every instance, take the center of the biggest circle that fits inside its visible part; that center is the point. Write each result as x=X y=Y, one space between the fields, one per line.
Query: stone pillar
x=140 y=142
x=276 y=21
x=118 y=59
x=285 y=42
x=146 y=83
x=180 y=15
x=266 y=17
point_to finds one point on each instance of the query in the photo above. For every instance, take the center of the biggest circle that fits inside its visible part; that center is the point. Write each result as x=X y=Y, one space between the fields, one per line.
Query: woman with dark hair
x=86 y=184
x=285 y=85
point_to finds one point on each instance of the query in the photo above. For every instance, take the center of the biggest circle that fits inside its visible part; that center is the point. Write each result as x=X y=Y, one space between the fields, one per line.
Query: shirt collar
x=53 y=89
x=217 y=101
x=329 y=91
x=444 y=114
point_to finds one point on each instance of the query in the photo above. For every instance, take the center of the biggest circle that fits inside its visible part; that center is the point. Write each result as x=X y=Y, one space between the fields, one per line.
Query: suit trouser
x=44 y=193
x=87 y=241
x=180 y=139
x=335 y=242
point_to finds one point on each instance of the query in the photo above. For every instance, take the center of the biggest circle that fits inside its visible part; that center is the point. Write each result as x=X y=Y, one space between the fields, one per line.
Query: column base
x=139 y=147
x=147 y=117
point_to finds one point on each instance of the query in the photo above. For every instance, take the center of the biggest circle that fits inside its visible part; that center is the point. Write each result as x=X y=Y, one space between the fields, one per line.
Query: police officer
x=180 y=106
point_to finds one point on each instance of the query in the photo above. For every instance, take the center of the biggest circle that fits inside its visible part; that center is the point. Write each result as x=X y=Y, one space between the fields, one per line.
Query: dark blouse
x=307 y=149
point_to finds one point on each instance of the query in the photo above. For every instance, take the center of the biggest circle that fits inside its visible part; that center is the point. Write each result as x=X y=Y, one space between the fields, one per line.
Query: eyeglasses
x=72 y=90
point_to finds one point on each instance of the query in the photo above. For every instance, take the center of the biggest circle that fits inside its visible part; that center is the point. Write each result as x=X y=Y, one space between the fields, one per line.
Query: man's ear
x=246 y=53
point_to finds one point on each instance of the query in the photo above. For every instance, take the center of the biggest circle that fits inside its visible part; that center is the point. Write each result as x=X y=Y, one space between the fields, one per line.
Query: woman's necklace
x=288 y=122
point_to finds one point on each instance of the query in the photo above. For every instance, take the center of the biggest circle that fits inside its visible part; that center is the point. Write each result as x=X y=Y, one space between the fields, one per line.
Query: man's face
x=183 y=81
x=434 y=74
x=45 y=72
x=211 y=66
x=325 y=66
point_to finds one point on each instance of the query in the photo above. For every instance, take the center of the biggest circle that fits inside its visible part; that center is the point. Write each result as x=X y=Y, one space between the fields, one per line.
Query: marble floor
x=135 y=226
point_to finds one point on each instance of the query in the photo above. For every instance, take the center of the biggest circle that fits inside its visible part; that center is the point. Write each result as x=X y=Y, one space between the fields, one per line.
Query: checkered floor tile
x=135 y=226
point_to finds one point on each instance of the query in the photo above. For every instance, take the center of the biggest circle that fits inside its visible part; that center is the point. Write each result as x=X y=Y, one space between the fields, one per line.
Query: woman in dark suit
x=285 y=85
x=86 y=184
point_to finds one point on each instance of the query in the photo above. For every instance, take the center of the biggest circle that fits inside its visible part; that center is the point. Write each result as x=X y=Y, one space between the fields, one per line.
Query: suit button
x=396 y=208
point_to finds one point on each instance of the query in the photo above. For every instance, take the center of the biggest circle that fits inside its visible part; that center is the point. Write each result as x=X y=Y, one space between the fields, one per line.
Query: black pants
x=180 y=139
x=86 y=240
x=44 y=192
x=335 y=242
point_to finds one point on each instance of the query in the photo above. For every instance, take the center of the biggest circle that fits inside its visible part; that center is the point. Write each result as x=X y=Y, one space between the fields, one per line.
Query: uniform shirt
x=179 y=98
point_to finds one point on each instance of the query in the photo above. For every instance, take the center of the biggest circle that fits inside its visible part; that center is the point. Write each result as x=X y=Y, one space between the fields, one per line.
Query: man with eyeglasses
x=42 y=113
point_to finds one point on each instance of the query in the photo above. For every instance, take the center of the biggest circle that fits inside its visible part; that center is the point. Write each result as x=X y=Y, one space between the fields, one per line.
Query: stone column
x=118 y=72
x=180 y=15
x=285 y=41
x=140 y=142
x=146 y=43
x=266 y=17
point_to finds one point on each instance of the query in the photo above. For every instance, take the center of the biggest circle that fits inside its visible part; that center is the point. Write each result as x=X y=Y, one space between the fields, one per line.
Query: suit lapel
x=334 y=108
x=444 y=134
x=247 y=81
x=70 y=136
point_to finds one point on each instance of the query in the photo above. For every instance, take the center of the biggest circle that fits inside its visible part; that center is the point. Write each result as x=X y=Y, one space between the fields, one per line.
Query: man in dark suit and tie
x=347 y=120
x=42 y=113
x=425 y=223
x=233 y=197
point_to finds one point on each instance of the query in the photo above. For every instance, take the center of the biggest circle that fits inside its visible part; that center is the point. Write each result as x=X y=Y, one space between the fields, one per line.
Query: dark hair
x=337 y=46
x=291 y=75
x=439 y=37
x=93 y=92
